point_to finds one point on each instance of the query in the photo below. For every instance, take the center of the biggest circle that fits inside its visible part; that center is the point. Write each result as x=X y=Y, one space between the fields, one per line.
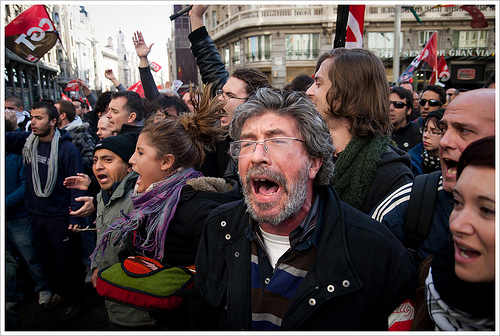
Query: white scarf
x=30 y=154
x=448 y=318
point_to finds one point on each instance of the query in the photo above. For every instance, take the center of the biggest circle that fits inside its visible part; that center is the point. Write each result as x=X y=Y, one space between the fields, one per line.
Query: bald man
x=469 y=117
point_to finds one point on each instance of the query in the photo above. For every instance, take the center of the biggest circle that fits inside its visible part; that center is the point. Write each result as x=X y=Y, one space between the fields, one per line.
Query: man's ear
x=53 y=122
x=316 y=164
x=167 y=162
x=62 y=116
x=131 y=117
x=444 y=105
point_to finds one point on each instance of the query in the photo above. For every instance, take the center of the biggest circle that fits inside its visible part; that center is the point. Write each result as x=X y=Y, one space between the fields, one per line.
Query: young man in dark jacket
x=50 y=157
x=292 y=255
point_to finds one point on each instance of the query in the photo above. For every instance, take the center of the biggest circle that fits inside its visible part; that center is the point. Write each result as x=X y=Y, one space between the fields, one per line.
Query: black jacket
x=393 y=171
x=210 y=64
x=361 y=274
x=407 y=136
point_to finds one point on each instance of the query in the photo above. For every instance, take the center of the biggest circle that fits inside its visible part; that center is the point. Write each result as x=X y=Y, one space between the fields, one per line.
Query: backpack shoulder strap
x=420 y=210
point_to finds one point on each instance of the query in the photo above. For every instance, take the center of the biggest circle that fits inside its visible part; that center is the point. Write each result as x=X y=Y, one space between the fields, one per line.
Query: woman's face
x=146 y=163
x=430 y=139
x=472 y=224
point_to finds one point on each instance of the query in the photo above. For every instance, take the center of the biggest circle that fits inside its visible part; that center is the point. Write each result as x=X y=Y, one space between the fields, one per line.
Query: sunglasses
x=398 y=104
x=432 y=102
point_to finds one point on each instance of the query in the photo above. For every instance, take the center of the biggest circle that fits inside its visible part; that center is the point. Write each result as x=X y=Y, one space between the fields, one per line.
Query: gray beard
x=296 y=192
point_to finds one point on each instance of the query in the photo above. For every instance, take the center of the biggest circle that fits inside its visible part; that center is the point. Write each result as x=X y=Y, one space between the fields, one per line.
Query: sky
x=149 y=17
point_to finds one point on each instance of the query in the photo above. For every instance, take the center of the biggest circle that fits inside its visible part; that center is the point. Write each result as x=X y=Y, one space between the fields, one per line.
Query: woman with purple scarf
x=171 y=199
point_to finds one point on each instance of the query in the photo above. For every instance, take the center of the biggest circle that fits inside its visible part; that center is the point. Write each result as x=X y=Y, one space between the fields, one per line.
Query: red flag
x=72 y=86
x=64 y=97
x=478 y=19
x=428 y=54
x=31 y=34
x=355 y=22
x=156 y=67
x=443 y=73
x=137 y=87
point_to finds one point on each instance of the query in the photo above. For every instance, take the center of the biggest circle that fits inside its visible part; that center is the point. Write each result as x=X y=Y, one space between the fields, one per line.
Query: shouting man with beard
x=292 y=255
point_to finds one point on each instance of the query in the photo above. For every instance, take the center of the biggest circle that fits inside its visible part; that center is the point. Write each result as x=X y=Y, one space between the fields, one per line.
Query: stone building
x=285 y=40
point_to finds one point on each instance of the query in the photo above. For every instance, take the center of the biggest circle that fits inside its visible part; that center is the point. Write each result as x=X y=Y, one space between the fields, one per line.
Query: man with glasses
x=291 y=255
x=405 y=133
x=469 y=117
x=234 y=89
x=433 y=98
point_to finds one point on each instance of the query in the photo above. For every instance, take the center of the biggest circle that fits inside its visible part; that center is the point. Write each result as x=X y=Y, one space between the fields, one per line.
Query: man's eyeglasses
x=398 y=104
x=432 y=132
x=243 y=148
x=432 y=102
x=226 y=95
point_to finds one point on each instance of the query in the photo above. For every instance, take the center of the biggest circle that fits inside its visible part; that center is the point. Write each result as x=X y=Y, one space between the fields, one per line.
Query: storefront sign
x=466 y=74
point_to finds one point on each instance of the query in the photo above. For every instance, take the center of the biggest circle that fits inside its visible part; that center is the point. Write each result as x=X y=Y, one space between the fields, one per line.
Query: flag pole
x=39 y=80
x=436 y=61
x=397 y=31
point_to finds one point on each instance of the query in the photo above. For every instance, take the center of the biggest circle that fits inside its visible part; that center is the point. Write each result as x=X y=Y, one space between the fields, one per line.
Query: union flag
x=31 y=34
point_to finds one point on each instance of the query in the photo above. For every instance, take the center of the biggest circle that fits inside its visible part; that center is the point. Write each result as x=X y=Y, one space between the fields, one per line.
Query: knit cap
x=436 y=114
x=122 y=145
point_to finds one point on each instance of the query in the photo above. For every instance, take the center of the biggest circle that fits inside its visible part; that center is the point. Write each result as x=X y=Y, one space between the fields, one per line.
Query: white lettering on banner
x=451 y=52
x=35 y=34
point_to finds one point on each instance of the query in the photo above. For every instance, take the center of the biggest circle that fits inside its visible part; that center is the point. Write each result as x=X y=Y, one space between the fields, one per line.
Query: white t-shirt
x=276 y=246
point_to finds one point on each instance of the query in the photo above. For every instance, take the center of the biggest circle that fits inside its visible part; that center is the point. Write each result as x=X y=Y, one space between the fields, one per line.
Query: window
x=472 y=39
x=236 y=52
x=213 y=18
x=259 y=48
x=382 y=44
x=226 y=56
x=423 y=37
x=302 y=46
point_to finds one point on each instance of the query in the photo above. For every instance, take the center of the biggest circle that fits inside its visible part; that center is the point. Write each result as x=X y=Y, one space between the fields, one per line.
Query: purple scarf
x=153 y=211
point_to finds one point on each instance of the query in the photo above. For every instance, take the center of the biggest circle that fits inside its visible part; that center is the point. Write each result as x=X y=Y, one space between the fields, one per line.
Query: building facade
x=284 y=41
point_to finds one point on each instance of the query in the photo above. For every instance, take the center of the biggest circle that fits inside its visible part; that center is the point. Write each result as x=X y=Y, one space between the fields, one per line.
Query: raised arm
x=208 y=59
x=148 y=83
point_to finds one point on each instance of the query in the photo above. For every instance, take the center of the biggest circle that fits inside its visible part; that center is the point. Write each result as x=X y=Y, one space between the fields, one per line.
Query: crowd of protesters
x=289 y=207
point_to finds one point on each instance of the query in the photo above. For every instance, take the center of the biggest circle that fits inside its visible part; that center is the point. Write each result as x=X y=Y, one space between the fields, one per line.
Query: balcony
x=275 y=16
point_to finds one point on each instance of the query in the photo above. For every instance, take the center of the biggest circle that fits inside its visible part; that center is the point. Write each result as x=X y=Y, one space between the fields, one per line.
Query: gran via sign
x=451 y=52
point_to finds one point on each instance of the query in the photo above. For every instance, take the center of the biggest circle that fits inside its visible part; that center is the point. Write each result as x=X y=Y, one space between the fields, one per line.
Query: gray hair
x=312 y=126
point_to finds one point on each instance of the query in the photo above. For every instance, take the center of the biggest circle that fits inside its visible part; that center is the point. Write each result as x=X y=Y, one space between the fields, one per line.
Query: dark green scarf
x=355 y=168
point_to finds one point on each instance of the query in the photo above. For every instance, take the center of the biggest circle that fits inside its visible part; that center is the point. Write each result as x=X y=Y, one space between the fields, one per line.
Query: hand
x=196 y=16
x=74 y=227
x=197 y=11
x=82 y=83
x=108 y=73
x=94 y=277
x=87 y=208
x=141 y=48
x=11 y=120
x=80 y=182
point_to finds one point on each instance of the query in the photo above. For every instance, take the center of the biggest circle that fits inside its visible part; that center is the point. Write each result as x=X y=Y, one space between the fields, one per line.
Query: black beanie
x=122 y=145
x=436 y=114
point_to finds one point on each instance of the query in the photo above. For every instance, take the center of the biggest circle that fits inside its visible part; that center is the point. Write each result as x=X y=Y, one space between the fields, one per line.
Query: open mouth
x=265 y=187
x=466 y=253
x=451 y=167
x=102 y=178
